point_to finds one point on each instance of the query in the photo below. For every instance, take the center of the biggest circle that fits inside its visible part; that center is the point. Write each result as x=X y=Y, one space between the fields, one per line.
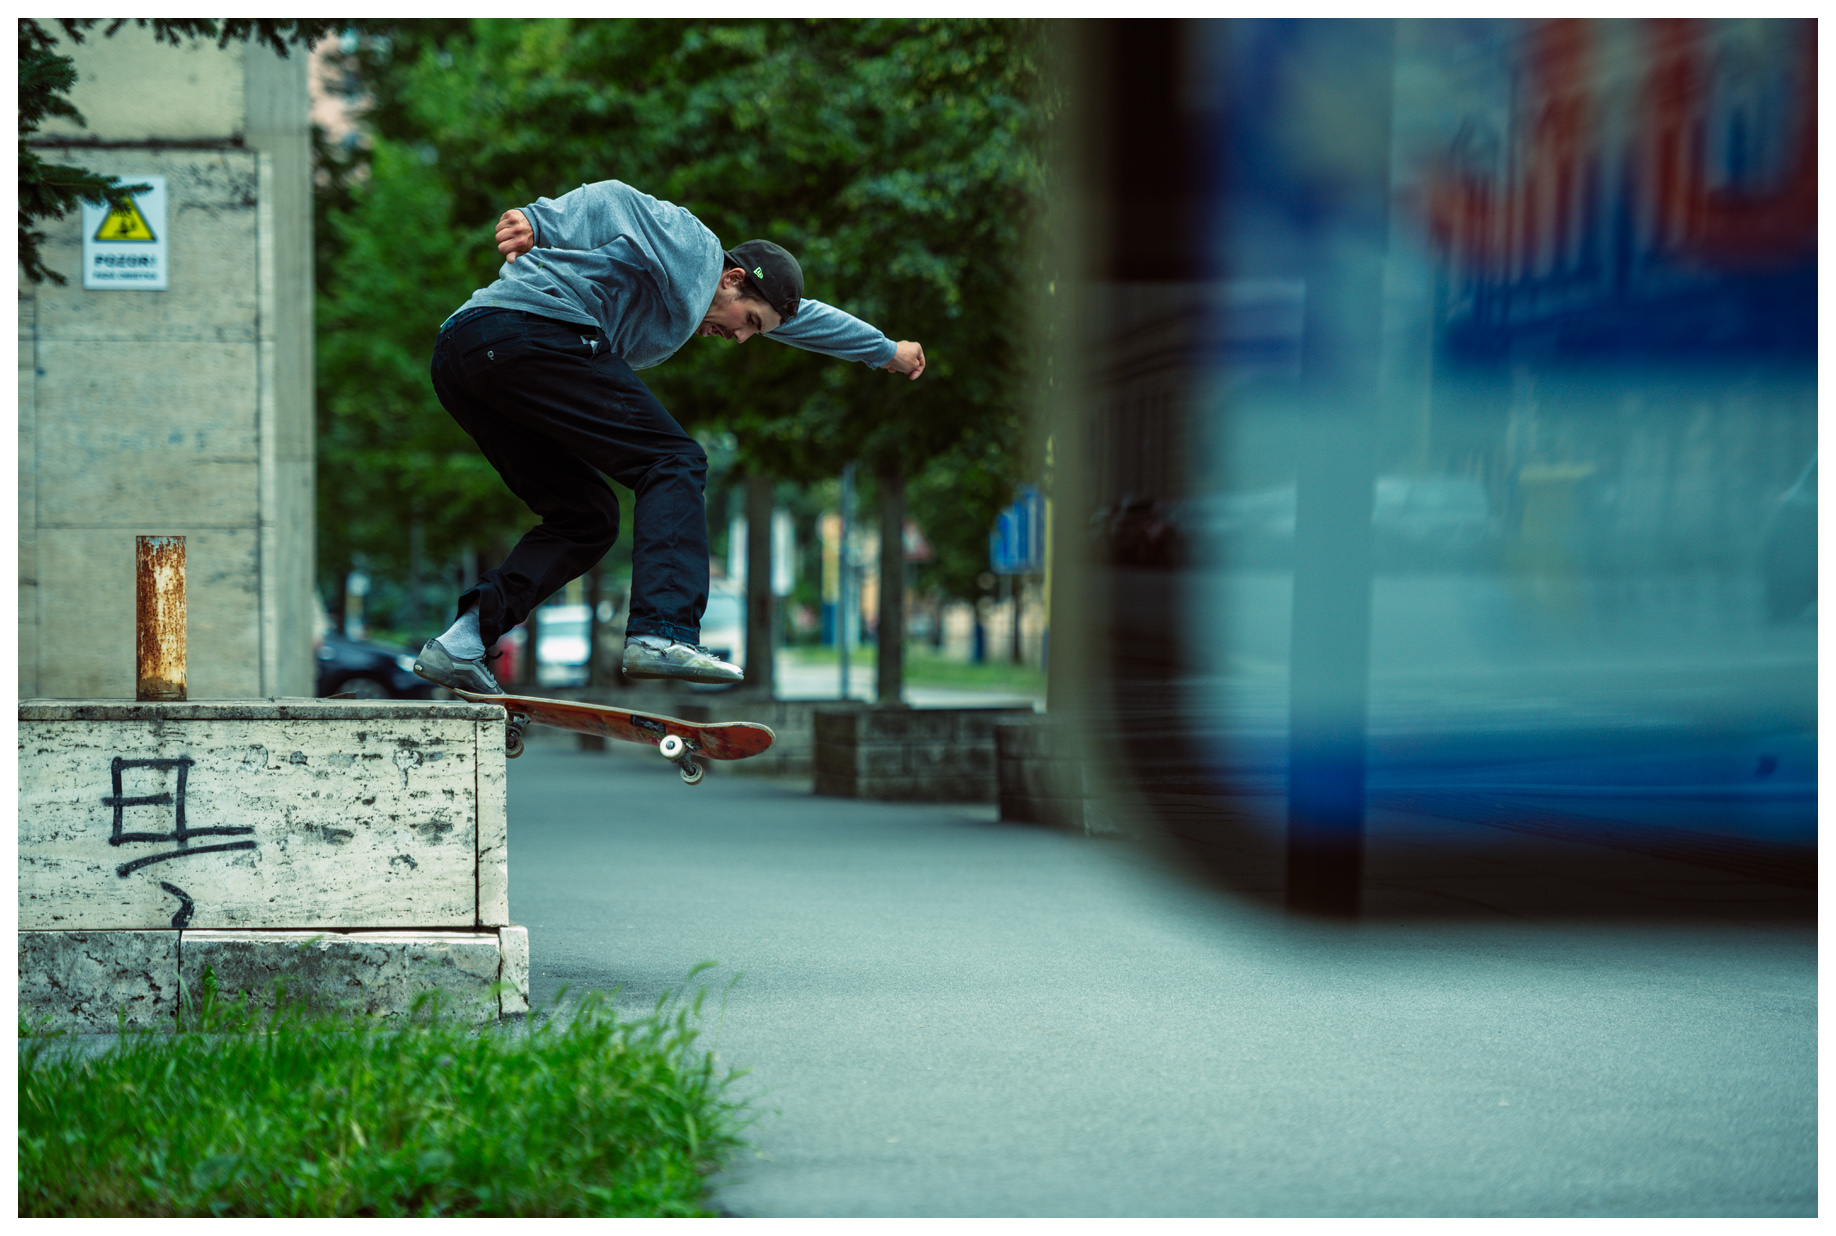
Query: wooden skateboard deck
x=713 y=740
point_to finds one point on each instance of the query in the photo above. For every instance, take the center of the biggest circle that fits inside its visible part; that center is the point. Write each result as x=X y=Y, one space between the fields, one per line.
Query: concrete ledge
x=793 y=750
x=343 y=817
x=914 y=754
x=79 y=981
x=1040 y=774
x=374 y=973
x=278 y=709
x=356 y=849
x=1065 y=813
x=513 y=946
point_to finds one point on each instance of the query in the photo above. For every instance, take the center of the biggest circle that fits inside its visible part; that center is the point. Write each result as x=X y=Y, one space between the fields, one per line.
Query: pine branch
x=52 y=190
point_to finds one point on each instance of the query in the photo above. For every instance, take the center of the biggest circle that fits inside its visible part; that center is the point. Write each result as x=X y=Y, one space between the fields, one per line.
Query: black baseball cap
x=772 y=275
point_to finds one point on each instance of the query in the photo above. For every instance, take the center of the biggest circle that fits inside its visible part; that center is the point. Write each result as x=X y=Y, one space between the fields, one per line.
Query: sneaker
x=691 y=662
x=435 y=664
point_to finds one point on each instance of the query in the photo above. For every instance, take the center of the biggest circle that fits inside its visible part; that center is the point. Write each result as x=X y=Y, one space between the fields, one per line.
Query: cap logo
x=758 y=272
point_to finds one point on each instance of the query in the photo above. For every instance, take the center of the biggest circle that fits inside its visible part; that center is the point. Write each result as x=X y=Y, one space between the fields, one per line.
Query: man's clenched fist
x=909 y=359
x=514 y=235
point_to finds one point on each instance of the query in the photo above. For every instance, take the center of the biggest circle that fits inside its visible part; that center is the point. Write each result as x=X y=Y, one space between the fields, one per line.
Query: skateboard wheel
x=692 y=773
x=513 y=743
x=672 y=747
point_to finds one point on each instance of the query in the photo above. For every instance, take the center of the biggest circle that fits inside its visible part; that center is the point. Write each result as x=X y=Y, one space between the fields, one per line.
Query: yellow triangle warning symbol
x=124 y=222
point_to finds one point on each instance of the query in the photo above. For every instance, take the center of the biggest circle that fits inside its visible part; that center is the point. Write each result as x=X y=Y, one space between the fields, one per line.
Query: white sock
x=462 y=640
x=660 y=642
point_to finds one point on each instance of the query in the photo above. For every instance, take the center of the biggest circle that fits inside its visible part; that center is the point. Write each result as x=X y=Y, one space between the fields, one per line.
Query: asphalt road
x=944 y=1015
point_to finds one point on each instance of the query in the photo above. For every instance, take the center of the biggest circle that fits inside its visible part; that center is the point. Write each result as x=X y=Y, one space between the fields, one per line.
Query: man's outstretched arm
x=823 y=328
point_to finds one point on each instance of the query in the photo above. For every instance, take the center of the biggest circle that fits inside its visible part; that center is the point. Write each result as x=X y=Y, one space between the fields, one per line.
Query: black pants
x=552 y=408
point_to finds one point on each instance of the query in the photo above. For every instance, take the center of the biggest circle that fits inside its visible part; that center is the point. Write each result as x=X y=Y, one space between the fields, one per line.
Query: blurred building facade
x=187 y=411
x=1447 y=392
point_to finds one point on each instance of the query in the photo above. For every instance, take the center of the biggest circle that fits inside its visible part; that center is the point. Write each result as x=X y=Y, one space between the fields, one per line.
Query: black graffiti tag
x=186 y=905
x=181 y=833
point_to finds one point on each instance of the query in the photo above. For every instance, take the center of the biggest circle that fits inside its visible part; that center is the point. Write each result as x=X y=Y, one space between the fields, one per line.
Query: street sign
x=1017 y=544
x=124 y=242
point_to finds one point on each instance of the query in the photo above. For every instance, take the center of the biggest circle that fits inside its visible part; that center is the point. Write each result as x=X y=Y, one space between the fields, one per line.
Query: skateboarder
x=539 y=368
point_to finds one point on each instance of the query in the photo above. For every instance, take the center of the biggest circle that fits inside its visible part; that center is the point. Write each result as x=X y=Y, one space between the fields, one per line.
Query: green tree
x=388 y=459
x=902 y=161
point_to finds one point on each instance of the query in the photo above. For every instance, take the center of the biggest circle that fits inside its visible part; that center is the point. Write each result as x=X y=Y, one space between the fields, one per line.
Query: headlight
x=406 y=662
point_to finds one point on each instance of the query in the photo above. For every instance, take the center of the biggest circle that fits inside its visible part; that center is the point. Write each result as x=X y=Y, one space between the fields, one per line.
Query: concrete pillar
x=183 y=412
x=276 y=115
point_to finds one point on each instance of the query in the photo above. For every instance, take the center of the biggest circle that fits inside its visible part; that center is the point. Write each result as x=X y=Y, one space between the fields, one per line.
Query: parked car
x=1790 y=550
x=366 y=670
x=563 y=641
x=723 y=625
x=1141 y=531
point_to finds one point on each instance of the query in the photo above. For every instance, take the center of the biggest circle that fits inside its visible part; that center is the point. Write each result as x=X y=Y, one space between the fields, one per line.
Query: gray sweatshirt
x=645 y=271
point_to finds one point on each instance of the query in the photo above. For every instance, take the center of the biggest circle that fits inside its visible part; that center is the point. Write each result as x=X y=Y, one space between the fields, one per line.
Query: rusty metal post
x=159 y=618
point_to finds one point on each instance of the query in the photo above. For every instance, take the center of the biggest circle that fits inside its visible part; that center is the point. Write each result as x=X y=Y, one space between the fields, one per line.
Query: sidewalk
x=950 y=1016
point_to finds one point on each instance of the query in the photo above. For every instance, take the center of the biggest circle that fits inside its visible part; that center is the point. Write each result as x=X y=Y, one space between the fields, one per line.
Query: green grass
x=926 y=668
x=292 y=1114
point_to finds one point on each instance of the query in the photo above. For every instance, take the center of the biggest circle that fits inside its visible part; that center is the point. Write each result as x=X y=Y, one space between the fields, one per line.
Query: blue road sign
x=1017 y=544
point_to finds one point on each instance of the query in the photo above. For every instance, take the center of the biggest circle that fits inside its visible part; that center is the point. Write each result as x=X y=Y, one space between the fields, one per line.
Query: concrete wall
x=185 y=412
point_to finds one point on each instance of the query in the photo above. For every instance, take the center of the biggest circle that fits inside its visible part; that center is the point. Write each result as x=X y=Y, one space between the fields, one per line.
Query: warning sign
x=124 y=222
x=124 y=242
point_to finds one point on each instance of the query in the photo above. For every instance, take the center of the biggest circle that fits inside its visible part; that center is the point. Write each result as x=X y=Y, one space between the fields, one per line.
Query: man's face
x=730 y=317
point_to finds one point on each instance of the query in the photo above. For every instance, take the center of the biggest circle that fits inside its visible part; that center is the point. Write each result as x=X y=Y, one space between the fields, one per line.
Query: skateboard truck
x=676 y=750
x=514 y=724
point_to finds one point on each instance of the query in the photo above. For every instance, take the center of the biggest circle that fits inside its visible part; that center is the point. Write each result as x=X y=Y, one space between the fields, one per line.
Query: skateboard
x=678 y=741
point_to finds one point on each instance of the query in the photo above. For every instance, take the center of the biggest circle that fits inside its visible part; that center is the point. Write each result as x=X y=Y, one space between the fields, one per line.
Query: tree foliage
x=52 y=190
x=902 y=161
